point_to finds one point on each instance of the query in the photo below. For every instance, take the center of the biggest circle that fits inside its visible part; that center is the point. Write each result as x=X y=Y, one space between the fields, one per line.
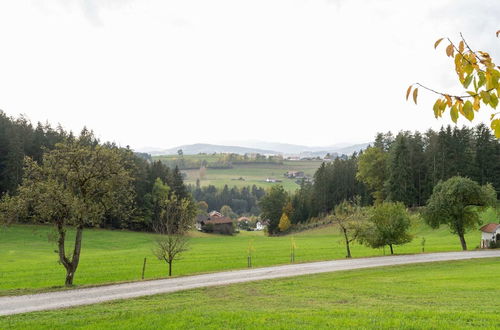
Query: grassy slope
x=254 y=174
x=27 y=260
x=448 y=295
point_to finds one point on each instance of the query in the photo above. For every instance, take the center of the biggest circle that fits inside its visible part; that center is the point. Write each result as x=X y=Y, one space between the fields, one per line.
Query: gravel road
x=62 y=299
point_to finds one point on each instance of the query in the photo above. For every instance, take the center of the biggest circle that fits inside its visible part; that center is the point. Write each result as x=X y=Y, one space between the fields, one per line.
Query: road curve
x=61 y=299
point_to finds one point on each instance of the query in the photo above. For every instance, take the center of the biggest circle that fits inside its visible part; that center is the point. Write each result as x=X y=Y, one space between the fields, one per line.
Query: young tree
x=456 y=202
x=284 y=223
x=349 y=217
x=76 y=184
x=174 y=220
x=388 y=224
x=472 y=67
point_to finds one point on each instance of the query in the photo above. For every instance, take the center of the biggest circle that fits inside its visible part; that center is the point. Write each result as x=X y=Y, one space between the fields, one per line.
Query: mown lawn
x=446 y=295
x=28 y=261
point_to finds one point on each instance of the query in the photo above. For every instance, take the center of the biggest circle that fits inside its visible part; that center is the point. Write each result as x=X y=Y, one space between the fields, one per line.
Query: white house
x=490 y=233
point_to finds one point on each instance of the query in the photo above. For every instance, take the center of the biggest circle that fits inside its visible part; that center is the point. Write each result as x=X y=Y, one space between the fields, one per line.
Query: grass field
x=253 y=174
x=28 y=261
x=447 y=295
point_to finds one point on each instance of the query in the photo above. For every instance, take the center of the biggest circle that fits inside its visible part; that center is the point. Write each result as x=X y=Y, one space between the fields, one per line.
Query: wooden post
x=143 y=268
x=249 y=260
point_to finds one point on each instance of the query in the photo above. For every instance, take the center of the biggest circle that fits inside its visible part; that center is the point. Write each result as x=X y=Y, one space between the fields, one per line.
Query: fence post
x=143 y=268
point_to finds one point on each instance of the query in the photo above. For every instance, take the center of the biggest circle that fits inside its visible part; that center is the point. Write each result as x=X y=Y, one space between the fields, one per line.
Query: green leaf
x=467 y=81
x=493 y=100
x=454 y=113
x=468 y=112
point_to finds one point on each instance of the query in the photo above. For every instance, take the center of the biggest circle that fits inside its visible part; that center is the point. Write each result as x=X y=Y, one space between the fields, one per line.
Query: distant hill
x=194 y=149
x=266 y=148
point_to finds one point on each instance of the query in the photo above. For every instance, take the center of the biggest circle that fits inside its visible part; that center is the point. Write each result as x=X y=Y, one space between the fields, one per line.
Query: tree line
x=19 y=138
x=404 y=168
x=242 y=201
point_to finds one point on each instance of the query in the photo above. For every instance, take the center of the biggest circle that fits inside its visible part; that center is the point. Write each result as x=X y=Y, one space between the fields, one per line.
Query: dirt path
x=62 y=299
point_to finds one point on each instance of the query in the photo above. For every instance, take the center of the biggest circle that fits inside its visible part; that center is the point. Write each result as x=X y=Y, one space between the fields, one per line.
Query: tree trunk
x=170 y=268
x=392 y=251
x=463 y=242
x=347 y=243
x=69 y=265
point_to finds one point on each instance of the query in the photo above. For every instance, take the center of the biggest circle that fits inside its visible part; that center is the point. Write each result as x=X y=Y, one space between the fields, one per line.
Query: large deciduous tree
x=272 y=207
x=388 y=224
x=76 y=185
x=372 y=171
x=456 y=202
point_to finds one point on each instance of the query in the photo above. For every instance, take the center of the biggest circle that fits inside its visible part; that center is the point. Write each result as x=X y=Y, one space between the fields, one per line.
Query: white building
x=490 y=233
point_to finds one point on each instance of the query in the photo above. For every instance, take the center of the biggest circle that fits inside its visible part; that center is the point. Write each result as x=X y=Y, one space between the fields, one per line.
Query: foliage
x=388 y=224
x=272 y=207
x=241 y=200
x=77 y=184
x=372 y=171
x=472 y=67
x=456 y=203
x=284 y=223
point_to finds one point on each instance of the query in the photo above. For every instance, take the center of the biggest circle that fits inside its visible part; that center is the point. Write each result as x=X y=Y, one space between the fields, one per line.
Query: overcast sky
x=169 y=72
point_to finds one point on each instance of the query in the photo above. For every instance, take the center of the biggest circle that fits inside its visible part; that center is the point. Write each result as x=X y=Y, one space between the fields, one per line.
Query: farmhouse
x=490 y=235
x=294 y=174
x=222 y=225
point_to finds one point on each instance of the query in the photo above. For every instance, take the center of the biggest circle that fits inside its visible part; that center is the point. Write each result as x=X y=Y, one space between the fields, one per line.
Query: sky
x=162 y=73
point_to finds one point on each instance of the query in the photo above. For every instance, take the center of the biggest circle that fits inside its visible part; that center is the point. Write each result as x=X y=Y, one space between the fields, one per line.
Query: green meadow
x=28 y=261
x=253 y=174
x=445 y=295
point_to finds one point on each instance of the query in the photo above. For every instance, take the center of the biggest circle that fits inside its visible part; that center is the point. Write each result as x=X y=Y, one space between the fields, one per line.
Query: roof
x=489 y=228
x=219 y=220
x=215 y=214
x=243 y=219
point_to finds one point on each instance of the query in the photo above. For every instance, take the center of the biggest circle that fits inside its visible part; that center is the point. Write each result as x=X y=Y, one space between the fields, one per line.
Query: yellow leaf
x=461 y=46
x=448 y=100
x=415 y=94
x=476 y=104
x=439 y=41
x=408 y=92
x=495 y=126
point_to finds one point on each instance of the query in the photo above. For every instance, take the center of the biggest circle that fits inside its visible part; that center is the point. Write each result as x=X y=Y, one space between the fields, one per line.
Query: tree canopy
x=456 y=203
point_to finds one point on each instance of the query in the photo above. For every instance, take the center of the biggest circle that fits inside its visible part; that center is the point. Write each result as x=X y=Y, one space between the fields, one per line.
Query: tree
x=349 y=217
x=284 y=223
x=175 y=219
x=272 y=207
x=474 y=67
x=226 y=211
x=77 y=184
x=372 y=171
x=456 y=203
x=388 y=224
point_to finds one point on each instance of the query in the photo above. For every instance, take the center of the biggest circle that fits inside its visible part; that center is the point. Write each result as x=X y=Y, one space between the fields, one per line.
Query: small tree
x=272 y=205
x=349 y=218
x=175 y=219
x=77 y=184
x=456 y=203
x=388 y=224
x=284 y=223
x=227 y=211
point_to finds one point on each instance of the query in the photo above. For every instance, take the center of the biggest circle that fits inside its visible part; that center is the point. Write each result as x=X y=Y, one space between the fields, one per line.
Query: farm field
x=253 y=174
x=28 y=261
x=445 y=295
